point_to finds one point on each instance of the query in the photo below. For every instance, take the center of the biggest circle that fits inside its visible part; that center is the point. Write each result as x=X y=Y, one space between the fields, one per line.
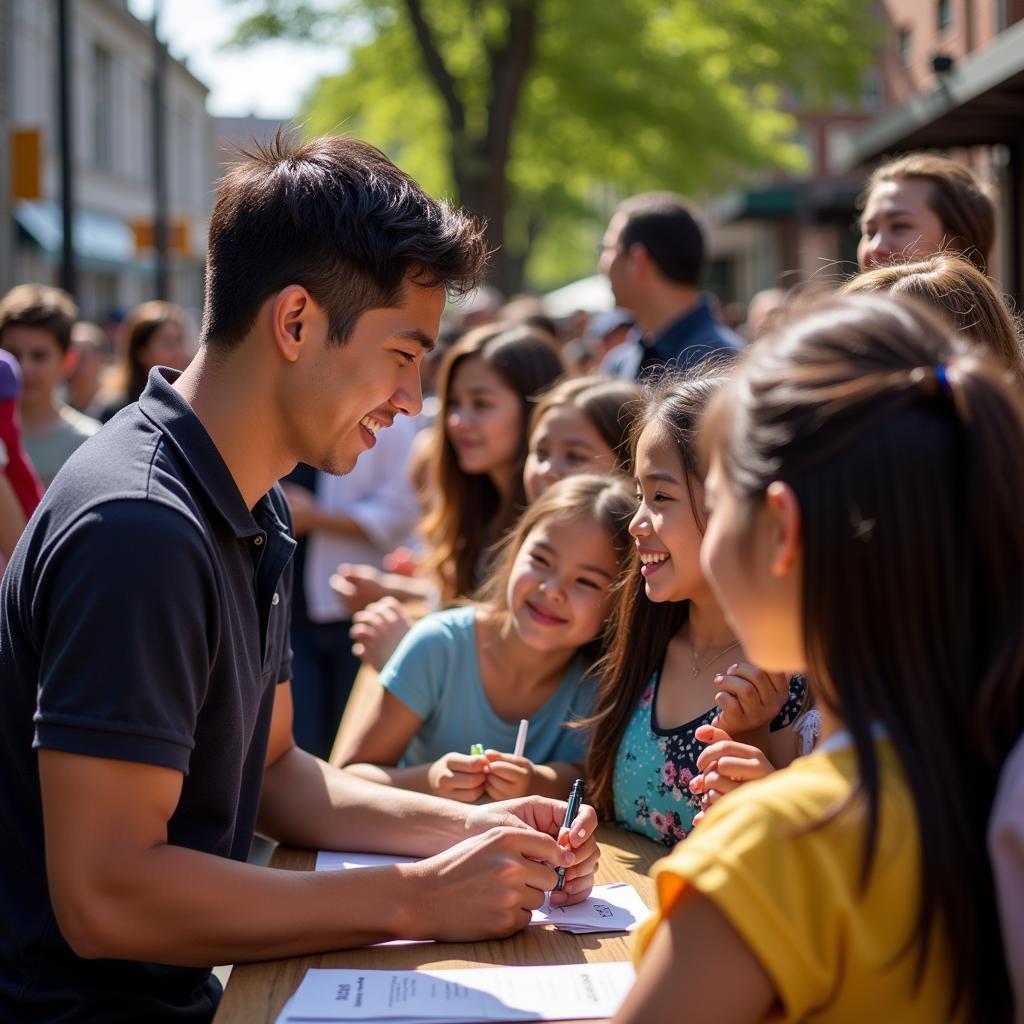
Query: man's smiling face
x=345 y=393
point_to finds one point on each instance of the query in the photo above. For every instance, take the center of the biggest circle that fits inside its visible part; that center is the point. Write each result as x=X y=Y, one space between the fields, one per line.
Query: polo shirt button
x=257 y=540
x=275 y=600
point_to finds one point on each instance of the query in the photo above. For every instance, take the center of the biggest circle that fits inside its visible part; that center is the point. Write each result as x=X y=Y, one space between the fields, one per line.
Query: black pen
x=571 y=810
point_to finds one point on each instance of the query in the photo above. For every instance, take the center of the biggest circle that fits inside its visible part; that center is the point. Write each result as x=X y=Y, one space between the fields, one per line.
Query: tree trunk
x=480 y=164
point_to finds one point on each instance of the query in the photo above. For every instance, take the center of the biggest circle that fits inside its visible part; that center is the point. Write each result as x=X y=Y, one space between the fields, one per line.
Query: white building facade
x=112 y=68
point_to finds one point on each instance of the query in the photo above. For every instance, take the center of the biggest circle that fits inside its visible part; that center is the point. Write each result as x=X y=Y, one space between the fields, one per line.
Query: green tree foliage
x=538 y=114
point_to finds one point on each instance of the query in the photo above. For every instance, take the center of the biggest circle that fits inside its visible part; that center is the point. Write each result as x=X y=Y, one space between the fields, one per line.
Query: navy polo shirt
x=696 y=335
x=143 y=617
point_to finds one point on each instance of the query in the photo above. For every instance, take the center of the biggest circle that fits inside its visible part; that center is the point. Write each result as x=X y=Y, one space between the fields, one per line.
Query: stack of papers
x=609 y=908
x=563 y=992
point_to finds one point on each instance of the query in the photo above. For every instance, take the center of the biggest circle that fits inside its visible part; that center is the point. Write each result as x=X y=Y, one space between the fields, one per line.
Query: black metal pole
x=68 y=274
x=160 y=281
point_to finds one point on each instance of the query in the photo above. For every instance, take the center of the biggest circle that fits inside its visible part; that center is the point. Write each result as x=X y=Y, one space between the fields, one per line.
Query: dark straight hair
x=336 y=216
x=640 y=629
x=905 y=449
x=466 y=513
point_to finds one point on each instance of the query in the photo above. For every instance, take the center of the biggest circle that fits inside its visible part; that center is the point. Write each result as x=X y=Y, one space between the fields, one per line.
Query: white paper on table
x=616 y=907
x=330 y=860
x=561 y=992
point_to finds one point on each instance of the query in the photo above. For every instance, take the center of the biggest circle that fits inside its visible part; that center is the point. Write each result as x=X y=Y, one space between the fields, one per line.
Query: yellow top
x=792 y=892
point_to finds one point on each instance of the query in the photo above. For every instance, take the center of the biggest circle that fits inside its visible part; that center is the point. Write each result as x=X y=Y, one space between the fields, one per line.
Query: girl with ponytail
x=865 y=488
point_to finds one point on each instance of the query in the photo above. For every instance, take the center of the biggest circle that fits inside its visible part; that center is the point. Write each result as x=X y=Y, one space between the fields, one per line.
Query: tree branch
x=437 y=69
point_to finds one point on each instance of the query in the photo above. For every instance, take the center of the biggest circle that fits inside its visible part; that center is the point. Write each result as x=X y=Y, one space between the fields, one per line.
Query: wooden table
x=256 y=992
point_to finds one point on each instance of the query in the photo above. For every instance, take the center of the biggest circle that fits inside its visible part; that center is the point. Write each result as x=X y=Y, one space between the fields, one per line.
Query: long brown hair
x=139 y=327
x=640 y=629
x=959 y=291
x=905 y=450
x=608 y=500
x=957 y=198
x=466 y=513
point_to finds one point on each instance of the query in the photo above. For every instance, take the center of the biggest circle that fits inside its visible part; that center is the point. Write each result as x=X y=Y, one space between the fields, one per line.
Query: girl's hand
x=377 y=630
x=724 y=766
x=458 y=777
x=508 y=776
x=749 y=698
x=358 y=585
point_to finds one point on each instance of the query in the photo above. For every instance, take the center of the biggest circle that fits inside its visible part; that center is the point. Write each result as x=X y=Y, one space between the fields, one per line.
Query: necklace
x=698 y=668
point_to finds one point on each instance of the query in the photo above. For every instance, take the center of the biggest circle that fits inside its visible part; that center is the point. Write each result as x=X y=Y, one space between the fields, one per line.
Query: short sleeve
x=765 y=882
x=125 y=615
x=417 y=671
x=794 y=704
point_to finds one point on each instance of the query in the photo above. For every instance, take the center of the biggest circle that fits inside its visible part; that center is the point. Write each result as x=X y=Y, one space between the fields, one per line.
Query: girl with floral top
x=674 y=664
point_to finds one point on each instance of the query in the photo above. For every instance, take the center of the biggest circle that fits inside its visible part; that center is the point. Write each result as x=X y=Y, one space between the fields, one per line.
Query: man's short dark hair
x=337 y=217
x=671 y=231
x=42 y=306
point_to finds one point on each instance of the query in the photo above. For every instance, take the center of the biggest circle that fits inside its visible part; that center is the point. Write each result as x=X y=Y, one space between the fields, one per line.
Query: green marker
x=477 y=748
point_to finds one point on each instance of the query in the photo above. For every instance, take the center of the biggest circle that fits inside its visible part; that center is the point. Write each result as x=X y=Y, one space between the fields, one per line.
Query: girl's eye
x=903 y=226
x=541 y=455
x=479 y=406
x=409 y=357
x=539 y=559
x=589 y=584
x=659 y=496
x=576 y=458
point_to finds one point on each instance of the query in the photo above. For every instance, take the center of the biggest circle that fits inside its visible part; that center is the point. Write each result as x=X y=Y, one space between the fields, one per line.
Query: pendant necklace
x=698 y=668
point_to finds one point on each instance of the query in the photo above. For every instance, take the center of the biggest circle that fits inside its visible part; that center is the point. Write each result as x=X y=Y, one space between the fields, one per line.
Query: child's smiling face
x=665 y=529
x=559 y=588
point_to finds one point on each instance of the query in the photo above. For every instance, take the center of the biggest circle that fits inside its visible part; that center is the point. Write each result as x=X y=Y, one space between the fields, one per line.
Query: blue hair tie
x=943 y=379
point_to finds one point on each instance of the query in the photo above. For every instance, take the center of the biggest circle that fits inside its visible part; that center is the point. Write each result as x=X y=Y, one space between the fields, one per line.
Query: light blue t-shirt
x=435 y=673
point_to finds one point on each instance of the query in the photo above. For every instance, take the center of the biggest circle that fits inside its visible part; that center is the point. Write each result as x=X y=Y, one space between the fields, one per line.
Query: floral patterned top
x=653 y=768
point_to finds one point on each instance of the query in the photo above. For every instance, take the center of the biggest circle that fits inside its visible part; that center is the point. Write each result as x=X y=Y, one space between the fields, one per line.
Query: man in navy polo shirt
x=145 y=714
x=653 y=257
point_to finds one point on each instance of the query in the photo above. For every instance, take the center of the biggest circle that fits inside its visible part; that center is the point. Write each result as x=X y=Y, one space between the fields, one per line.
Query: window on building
x=871 y=93
x=945 y=13
x=102 y=110
x=903 y=44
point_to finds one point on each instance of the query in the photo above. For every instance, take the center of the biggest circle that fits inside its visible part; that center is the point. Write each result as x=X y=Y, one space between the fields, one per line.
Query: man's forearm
x=177 y=906
x=306 y=802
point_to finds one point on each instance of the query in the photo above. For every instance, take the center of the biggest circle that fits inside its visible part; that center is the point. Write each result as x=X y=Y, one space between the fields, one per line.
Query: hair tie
x=943 y=380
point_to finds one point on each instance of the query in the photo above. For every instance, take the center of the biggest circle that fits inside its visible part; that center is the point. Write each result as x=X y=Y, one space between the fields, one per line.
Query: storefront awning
x=818 y=201
x=979 y=102
x=102 y=242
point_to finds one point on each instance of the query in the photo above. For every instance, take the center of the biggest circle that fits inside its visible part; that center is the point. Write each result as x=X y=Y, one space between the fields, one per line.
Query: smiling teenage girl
x=866 y=481
x=675 y=663
x=470 y=674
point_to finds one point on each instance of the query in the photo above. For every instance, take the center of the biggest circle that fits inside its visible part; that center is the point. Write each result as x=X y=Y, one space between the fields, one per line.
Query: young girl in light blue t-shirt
x=469 y=675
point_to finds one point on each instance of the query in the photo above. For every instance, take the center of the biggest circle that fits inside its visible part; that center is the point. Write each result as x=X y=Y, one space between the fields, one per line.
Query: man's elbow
x=89 y=927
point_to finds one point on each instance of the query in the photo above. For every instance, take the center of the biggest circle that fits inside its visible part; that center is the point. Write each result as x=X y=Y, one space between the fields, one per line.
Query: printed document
x=562 y=992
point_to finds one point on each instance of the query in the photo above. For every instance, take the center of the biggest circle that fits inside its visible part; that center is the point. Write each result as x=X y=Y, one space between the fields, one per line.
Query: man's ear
x=290 y=314
x=783 y=510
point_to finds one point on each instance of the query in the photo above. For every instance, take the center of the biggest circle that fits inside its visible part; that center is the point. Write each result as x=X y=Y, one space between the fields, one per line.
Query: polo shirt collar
x=176 y=420
x=678 y=334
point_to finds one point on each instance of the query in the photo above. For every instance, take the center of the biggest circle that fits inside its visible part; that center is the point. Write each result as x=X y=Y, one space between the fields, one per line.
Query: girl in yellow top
x=865 y=488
